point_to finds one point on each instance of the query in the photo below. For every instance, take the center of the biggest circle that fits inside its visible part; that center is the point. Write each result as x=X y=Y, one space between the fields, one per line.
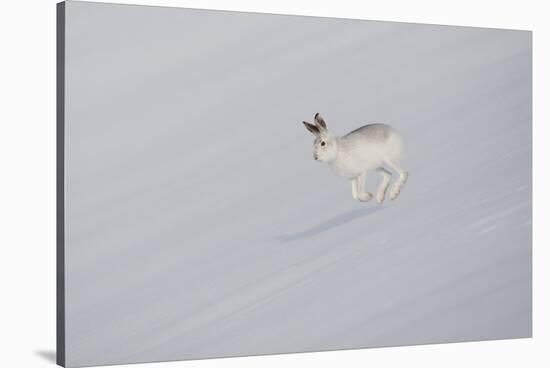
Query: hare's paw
x=365 y=197
x=394 y=191
x=380 y=195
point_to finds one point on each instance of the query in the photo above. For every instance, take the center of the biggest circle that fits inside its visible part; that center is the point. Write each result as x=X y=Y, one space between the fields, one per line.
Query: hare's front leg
x=357 y=189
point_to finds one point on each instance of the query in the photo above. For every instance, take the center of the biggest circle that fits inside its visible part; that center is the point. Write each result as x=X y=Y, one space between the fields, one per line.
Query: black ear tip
x=316 y=115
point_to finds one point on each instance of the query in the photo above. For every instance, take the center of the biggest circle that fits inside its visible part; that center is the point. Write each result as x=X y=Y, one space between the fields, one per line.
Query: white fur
x=370 y=147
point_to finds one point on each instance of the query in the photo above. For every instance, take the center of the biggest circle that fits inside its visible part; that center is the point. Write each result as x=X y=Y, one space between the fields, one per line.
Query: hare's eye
x=323 y=143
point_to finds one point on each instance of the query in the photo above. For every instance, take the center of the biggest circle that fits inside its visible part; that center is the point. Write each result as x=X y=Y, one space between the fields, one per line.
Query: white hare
x=366 y=148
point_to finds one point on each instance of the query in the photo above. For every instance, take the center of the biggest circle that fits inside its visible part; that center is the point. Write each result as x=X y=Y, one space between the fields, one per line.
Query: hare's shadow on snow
x=329 y=224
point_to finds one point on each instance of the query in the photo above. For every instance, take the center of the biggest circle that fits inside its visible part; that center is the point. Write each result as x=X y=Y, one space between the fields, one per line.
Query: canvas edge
x=60 y=184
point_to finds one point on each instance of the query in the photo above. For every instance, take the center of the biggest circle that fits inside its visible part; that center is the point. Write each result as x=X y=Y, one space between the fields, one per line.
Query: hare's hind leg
x=398 y=184
x=386 y=177
x=357 y=189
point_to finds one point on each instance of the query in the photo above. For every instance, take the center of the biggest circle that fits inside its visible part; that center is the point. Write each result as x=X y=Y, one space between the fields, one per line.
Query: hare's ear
x=320 y=122
x=312 y=128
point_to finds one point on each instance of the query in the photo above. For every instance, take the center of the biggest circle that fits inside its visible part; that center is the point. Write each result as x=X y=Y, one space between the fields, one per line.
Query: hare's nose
x=315 y=157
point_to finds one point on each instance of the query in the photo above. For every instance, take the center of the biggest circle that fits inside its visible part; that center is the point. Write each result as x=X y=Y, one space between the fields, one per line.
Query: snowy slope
x=199 y=225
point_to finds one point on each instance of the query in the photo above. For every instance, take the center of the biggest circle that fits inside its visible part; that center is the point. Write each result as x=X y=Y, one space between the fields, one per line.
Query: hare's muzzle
x=315 y=156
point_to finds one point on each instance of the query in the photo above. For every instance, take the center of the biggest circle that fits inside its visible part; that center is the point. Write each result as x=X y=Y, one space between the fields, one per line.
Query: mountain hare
x=352 y=155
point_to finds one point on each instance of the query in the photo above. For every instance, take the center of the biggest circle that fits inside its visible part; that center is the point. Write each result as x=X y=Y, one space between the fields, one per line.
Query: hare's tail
x=399 y=146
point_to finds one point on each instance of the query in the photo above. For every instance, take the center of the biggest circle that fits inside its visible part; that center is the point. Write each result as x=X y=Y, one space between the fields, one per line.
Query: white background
x=27 y=181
